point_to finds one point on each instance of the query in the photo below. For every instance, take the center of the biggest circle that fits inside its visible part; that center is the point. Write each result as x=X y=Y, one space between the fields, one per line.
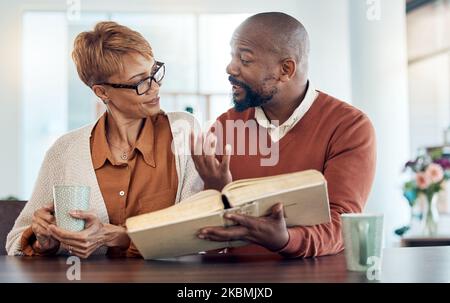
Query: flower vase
x=430 y=216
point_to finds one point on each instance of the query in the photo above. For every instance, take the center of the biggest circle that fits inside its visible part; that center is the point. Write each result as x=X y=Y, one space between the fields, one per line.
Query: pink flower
x=423 y=180
x=434 y=172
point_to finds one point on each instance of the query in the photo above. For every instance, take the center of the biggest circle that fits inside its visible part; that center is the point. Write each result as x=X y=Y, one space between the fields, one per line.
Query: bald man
x=310 y=130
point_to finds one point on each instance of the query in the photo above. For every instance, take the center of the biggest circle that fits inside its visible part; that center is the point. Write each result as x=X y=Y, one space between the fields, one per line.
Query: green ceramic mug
x=67 y=198
x=363 y=239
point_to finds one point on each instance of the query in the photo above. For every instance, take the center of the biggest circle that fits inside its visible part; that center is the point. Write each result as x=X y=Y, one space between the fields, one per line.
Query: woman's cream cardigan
x=69 y=161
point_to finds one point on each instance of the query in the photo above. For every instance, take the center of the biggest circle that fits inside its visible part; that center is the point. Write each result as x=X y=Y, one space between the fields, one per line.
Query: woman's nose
x=154 y=87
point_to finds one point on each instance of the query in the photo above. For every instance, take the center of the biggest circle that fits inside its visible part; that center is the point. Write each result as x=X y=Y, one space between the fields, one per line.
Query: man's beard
x=251 y=99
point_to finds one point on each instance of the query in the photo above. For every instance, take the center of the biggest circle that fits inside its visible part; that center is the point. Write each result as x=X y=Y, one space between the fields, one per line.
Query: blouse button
x=121 y=193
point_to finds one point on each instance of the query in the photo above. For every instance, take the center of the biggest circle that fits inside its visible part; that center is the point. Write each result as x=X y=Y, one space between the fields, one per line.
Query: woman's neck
x=122 y=132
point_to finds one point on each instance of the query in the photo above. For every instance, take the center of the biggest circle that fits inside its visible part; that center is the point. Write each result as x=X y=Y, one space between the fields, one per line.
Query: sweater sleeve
x=191 y=182
x=26 y=244
x=20 y=238
x=349 y=171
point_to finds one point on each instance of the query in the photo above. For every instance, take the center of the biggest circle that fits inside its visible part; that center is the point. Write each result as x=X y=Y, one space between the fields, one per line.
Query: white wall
x=379 y=87
x=326 y=20
x=328 y=23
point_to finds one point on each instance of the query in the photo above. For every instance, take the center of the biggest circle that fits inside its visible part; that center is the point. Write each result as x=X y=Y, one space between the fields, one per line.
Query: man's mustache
x=235 y=81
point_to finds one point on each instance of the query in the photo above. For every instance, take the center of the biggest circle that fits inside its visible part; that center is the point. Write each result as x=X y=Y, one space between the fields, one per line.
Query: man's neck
x=281 y=109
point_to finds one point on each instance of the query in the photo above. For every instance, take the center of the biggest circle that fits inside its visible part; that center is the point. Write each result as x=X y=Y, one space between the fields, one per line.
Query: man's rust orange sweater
x=334 y=138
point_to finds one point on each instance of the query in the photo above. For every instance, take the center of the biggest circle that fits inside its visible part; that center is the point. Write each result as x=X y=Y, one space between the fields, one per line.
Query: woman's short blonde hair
x=98 y=54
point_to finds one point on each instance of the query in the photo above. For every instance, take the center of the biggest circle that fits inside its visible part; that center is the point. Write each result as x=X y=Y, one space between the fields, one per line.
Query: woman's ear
x=288 y=69
x=101 y=92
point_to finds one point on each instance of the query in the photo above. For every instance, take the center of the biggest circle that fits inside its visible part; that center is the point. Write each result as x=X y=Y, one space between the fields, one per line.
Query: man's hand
x=95 y=235
x=214 y=174
x=270 y=231
x=42 y=219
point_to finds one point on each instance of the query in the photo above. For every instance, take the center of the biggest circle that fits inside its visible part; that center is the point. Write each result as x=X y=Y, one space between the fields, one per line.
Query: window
x=429 y=74
x=44 y=89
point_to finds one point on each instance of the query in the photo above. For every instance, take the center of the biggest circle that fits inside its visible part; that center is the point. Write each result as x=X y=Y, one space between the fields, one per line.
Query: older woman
x=126 y=157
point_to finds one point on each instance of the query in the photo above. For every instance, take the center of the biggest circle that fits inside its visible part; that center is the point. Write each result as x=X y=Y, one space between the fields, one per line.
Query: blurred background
x=390 y=58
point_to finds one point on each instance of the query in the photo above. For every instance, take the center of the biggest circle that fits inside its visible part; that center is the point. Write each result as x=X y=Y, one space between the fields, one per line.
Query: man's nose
x=232 y=69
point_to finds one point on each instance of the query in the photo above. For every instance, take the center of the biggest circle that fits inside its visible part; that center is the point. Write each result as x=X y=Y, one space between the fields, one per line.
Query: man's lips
x=236 y=88
x=235 y=82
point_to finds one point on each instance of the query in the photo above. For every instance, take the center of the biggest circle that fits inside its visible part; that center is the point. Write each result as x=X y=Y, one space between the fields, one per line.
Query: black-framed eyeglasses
x=144 y=85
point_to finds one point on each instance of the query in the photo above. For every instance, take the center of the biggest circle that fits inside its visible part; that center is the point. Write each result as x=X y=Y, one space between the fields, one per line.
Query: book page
x=205 y=194
x=247 y=190
x=198 y=205
x=303 y=206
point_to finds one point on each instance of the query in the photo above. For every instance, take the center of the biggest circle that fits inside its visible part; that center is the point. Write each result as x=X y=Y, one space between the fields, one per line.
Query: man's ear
x=101 y=92
x=288 y=69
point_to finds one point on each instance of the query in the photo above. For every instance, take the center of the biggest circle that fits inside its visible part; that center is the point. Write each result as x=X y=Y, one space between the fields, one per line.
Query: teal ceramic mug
x=363 y=239
x=67 y=198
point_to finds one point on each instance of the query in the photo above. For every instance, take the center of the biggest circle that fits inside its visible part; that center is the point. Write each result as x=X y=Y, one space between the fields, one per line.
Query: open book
x=172 y=231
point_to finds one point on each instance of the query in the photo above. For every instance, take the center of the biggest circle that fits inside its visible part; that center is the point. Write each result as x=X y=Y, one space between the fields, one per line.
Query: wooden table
x=198 y=268
x=424 y=264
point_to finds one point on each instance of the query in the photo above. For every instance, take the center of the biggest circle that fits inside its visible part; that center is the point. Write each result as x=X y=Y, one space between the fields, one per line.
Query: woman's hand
x=95 y=235
x=42 y=219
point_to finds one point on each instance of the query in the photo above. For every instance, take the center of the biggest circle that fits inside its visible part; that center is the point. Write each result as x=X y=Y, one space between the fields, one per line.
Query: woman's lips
x=153 y=101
